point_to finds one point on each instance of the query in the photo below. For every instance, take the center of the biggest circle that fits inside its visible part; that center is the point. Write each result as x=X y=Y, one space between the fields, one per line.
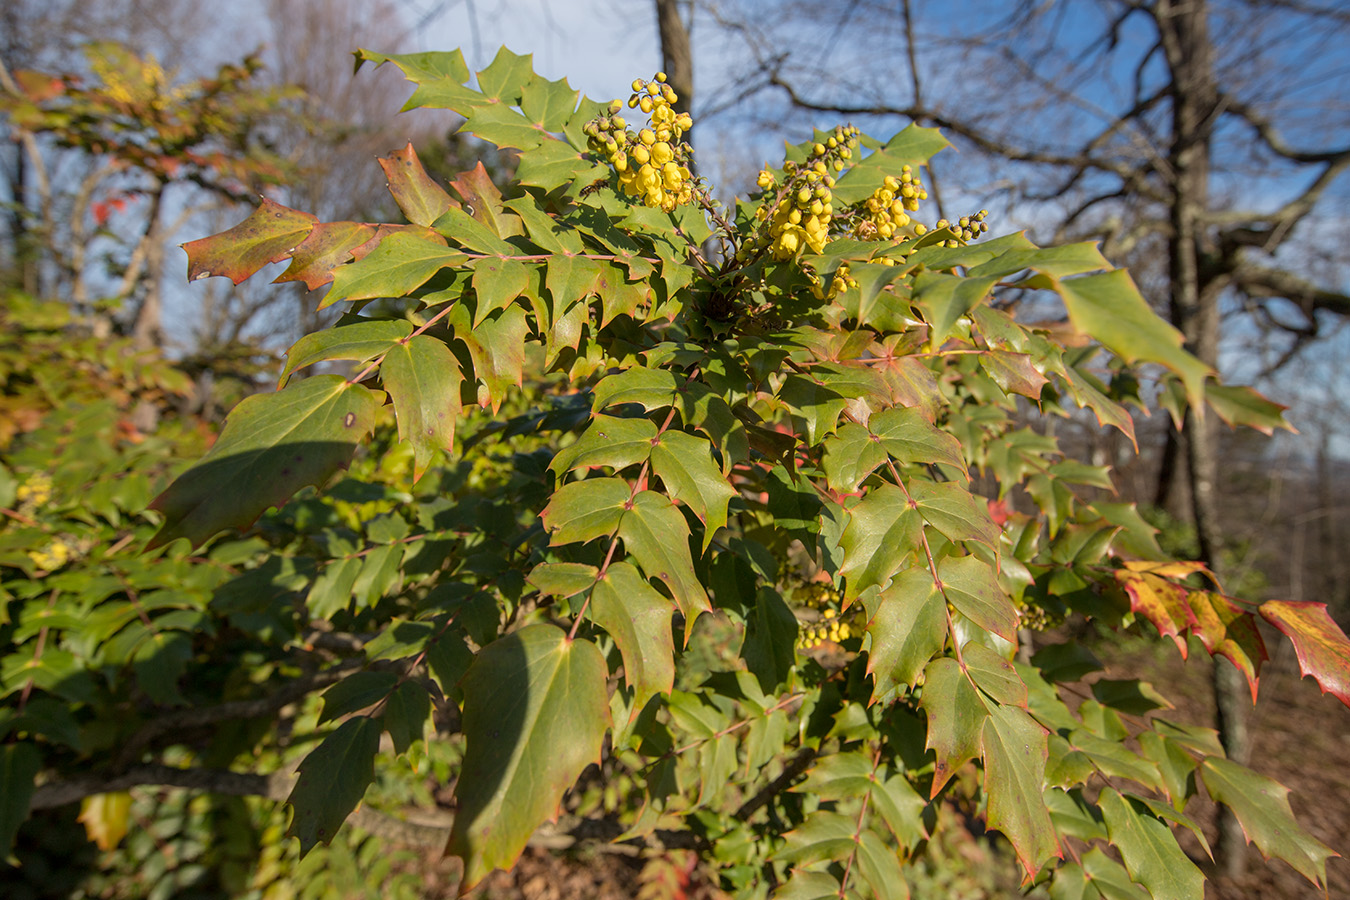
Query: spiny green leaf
x=562 y=580
x=656 y=535
x=422 y=200
x=422 y=377
x=271 y=446
x=403 y=262
x=1109 y=308
x=914 y=146
x=946 y=298
x=19 y=767
x=333 y=779
x=881 y=536
x=684 y=463
x=638 y=618
x=1240 y=405
x=770 y=640
x=1322 y=648
x=907 y=629
x=954 y=511
x=356 y=692
x=361 y=340
x=268 y=235
x=607 y=441
x=1014 y=748
x=1150 y=850
x=846 y=775
x=497 y=282
x=585 y=510
x=1262 y=808
x=497 y=348
x=971 y=586
x=956 y=715
x=1056 y=262
x=406 y=715
x=994 y=674
x=535 y=714
x=555 y=163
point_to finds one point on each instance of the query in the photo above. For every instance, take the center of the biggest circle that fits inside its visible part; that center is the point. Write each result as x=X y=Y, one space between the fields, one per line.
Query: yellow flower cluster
x=841 y=281
x=967 y=228
x=888 y=207
x=832 y=626
x=53 y=556
x=652 y=164
x=34 y=493
x=800 y=211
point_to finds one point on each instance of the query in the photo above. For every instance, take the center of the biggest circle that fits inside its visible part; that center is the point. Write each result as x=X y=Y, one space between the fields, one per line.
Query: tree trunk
x=676 y=57
x=1184 y=30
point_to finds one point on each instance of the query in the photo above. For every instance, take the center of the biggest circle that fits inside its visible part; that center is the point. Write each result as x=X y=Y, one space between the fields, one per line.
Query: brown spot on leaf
x=349 y=420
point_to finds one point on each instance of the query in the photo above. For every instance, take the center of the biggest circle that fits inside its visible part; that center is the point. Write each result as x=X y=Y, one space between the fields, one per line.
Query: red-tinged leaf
x=333 y=779
x=536 y=709
x=1014 y=373
x=38 y=86
x=401 y=263
x=956 y=717
x=638 y=617
x=1161 y=602
x=1262 y=808
x=1240 y=405
x=1321 y=645
x=270 y=234
x=1015 y=751
x=422 y=377
x=422 y=200
x=485 y=202
x=271 y=446
x=329 y=245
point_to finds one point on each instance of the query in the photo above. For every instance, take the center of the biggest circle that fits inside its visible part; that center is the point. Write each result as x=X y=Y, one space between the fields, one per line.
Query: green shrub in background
x=733 y=579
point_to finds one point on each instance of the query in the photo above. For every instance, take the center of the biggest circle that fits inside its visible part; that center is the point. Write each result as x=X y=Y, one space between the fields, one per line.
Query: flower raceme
x=652 y=164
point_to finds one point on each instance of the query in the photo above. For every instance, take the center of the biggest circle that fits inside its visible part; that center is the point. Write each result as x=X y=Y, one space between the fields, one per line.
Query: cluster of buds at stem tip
x=799 y=211
x=653 y=164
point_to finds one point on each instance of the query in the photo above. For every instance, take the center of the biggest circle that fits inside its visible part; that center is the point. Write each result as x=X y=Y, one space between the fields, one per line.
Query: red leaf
x=485 y=201
x=269 y=235
x=329 y=245
x=1230 y=631
x=1322 y=647
x=422 y=200
x=1160 y=601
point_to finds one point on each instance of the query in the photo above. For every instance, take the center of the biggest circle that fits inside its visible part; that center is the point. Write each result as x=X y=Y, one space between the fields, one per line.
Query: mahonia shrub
x=786 y=527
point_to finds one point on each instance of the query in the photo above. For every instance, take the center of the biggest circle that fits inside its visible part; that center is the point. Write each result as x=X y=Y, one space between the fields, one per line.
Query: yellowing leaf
x=106 y=818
